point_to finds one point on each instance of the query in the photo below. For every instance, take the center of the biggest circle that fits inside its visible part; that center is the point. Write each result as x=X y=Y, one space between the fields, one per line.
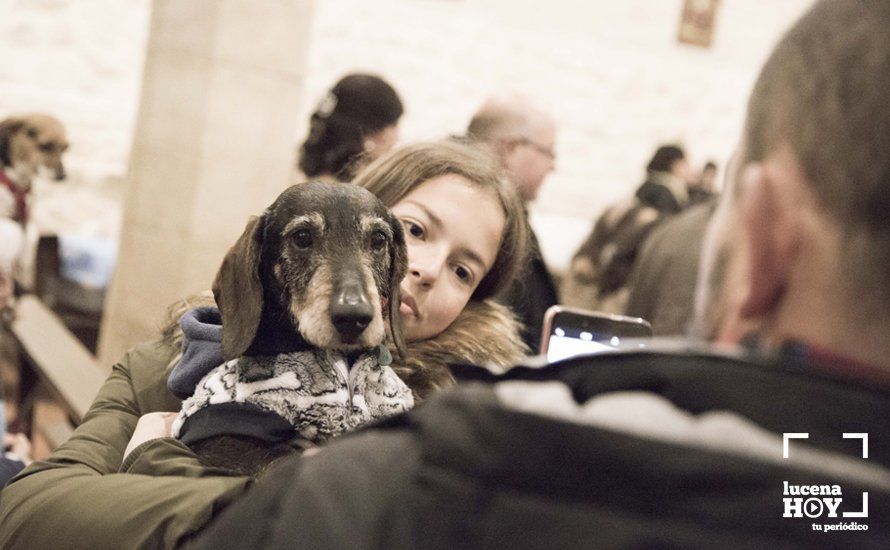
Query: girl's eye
x=463 y=273
x=414 y=229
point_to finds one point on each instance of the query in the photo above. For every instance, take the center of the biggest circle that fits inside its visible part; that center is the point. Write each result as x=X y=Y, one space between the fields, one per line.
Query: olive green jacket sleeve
x=76 y=498
x=167 y=457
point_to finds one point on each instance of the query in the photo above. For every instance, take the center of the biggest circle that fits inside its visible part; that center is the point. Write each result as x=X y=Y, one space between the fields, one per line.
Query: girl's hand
x=151 y=426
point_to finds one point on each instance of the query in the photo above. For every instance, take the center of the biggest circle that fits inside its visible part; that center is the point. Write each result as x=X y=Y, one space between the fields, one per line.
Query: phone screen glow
x=562 y=347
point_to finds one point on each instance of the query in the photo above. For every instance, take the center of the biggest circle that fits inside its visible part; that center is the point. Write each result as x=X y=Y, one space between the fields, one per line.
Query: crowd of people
x=762 y=426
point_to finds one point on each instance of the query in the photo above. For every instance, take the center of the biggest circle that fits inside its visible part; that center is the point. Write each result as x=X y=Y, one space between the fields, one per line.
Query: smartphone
x=568 y=332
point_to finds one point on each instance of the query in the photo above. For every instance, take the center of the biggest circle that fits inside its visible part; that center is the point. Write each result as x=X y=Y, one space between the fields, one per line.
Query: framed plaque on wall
x=697 y=22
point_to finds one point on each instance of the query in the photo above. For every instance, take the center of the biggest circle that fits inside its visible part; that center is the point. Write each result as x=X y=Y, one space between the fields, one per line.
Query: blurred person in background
x=11 y=243
x=701 y=189
x=354 y=123
x=601 y=268
x=16 y=447
x=662 y=283
x=667 y=176
x=522 y=136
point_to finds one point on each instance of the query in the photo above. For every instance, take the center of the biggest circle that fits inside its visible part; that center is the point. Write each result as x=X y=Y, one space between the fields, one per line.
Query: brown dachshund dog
x=303 y=296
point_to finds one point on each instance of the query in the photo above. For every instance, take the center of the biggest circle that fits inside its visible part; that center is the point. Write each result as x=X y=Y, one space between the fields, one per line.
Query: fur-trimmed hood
x=485 y=333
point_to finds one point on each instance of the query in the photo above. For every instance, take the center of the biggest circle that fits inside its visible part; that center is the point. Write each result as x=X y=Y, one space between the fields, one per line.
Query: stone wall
x=611 y=70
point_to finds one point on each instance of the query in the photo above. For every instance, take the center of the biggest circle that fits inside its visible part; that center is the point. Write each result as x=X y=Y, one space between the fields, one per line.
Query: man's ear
x=766 y=247
x=238 y=290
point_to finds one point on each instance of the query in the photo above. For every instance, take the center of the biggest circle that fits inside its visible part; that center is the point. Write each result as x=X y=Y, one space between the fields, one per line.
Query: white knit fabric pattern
x=316 y=390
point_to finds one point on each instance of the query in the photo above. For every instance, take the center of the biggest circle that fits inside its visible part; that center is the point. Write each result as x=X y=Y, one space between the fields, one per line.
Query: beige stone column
x=214 y=144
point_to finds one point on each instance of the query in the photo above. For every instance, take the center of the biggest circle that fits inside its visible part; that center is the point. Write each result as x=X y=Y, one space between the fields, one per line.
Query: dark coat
x=464 y=471
x=697 y=195
x=531 y=295
x=662 y=284
x=658 y=197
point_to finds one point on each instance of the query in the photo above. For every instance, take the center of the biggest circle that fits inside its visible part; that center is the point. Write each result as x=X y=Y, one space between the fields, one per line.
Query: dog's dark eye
x=46 y=147
x=303 y=238
x=378 y=241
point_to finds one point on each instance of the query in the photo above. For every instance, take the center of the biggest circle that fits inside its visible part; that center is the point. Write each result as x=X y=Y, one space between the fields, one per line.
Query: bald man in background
x=522 y=135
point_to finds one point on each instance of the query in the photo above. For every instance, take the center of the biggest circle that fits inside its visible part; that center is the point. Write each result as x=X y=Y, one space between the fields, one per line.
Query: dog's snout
x=350 y=311
x=60 y=173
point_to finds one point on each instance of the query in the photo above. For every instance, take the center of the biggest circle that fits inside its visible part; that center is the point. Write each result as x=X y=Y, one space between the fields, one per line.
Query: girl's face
x=453 y=230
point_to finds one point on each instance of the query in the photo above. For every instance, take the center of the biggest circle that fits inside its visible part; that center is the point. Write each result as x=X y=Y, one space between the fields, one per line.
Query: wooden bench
x=67 y=374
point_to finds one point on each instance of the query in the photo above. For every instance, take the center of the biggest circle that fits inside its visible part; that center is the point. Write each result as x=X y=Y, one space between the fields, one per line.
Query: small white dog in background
x=28 y=144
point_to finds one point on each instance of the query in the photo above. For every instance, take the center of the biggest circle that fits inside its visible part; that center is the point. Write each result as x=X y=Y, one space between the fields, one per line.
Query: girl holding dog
x=466 y=235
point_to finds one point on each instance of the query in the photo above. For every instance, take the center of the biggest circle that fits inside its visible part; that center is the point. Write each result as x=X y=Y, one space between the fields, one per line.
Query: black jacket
x=464 y=471
x=530 y=295
x=658 y=197
x=663 y=280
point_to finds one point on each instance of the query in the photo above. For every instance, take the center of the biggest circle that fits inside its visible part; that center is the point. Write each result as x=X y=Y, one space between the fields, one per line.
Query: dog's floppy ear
x=238 y=290
x=398 y=267
x=8 y=128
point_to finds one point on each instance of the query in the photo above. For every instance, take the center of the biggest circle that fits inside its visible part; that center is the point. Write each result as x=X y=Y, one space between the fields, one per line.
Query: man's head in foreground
x=800 y=246
x=522 y=136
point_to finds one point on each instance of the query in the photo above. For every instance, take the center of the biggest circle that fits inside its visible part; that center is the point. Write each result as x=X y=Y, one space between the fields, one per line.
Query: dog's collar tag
x=384 y=357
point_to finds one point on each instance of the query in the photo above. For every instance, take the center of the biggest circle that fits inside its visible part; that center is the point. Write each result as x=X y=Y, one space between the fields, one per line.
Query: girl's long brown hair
x=395 y=175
